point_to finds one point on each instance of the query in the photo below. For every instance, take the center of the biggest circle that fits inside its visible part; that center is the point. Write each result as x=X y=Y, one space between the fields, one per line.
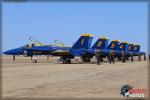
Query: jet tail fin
x=83 y=42
x=123 y=46
x=113 y=45
x=130 y=47
x=136 y=48
x=101 y=43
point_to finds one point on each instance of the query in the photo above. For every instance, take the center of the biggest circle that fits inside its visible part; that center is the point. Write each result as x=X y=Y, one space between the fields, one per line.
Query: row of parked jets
x=82 y=47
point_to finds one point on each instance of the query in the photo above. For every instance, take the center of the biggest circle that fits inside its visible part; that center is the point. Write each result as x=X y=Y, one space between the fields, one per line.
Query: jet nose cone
x=7 y=52
x=17 y=51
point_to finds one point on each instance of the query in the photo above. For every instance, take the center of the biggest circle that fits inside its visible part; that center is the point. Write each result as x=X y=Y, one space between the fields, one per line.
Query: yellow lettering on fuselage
x=112 y=45
x=99 y=43
x=121 y=46
x=82 y=41
x=135 y=48
x=129 y=48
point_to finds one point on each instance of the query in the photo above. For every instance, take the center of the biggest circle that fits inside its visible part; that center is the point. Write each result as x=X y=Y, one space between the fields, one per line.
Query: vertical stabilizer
x=83 y=42
x=113 y=45
x=101 y=43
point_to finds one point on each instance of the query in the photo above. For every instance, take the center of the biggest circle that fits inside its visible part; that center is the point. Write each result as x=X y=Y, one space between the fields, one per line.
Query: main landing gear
x=34 y=61
x=85 y=59
x=139 y=57
x=64 y=60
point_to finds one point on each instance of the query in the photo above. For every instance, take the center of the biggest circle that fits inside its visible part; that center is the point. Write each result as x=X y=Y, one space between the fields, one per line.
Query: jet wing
x=60 y=52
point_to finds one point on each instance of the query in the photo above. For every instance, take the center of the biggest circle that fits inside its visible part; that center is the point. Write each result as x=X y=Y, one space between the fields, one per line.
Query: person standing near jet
x=111 y=57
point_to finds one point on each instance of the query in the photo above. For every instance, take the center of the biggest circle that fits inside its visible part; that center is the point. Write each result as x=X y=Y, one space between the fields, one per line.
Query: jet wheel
x=88 y=60
x=66 y=61
x=58 y=60
x=34 y=61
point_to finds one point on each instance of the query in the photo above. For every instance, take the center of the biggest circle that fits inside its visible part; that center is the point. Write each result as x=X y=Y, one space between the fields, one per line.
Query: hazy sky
x=66 y=21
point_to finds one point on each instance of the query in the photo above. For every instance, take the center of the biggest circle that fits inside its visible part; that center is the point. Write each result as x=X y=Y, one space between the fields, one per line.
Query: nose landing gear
x=64 y=60
x=34 y=61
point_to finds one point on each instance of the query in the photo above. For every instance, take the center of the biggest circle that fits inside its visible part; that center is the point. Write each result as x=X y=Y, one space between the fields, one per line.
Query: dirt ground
x=48 y=78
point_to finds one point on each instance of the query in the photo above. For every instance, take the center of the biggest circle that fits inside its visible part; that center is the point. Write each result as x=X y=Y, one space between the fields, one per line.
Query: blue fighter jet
x=135 y=51
x=65 y=53
x=122 y=50
x=101 y=49
x=81 y=48
x=23 y=49
x=126 y=50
